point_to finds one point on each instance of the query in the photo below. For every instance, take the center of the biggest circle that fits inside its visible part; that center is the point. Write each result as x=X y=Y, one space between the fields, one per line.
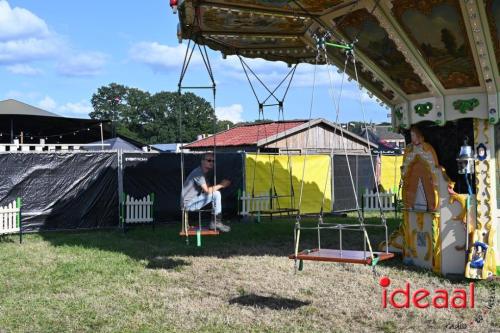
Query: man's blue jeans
x=204 y=199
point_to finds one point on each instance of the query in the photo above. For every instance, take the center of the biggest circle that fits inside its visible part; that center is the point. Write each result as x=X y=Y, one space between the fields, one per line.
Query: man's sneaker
x=219 y=226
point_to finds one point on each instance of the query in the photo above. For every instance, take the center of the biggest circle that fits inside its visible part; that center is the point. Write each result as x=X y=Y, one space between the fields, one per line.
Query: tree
x=153 y=118
x=223 y=125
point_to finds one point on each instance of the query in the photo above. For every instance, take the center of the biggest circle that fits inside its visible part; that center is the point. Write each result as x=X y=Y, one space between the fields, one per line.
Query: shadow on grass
x=160 y=262
x=7 y=238
x=162 y=246
x=273 y=303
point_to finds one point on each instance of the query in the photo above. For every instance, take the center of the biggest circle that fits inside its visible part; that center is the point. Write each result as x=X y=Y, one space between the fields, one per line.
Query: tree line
x=154 y=118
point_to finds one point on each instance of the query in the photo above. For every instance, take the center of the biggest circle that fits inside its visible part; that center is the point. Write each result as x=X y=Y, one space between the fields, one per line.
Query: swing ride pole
x=340 y=46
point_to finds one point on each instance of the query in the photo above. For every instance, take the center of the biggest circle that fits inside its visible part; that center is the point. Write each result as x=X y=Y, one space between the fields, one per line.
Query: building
x=294 y=136
x=388 y=136
x=25 y=124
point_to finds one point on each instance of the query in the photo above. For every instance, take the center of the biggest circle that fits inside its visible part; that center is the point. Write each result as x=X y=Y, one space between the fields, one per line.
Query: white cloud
x=273 y=72
x=162 y=57
x=19 y=23
x=23 y=69
x=232 y=113
x=70 y=109
x=47 y=103
x=79 y=108
x=26 y=38
x=30 y=49
x=85 y=64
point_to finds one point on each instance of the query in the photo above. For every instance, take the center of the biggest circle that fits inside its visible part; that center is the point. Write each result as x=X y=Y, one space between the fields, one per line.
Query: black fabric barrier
x=362 y=173
x=61 y=190
x=146 y=173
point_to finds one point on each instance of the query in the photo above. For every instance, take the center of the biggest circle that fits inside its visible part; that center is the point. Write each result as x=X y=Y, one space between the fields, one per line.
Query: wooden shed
x=294 y=136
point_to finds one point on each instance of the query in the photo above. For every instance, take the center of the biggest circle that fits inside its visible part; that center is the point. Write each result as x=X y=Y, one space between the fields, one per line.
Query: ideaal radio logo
x=421 y=298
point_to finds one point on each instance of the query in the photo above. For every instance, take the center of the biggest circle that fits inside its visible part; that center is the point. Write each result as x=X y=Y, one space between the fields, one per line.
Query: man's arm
x=210 y=189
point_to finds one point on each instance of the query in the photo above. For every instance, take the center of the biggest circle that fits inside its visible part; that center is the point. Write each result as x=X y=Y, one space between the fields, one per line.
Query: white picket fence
x=138 y=210
x=371 y=203
x=254 y=204
x=10 y=217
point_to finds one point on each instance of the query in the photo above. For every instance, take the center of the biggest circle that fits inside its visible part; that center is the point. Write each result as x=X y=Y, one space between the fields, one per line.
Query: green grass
x=150 y=281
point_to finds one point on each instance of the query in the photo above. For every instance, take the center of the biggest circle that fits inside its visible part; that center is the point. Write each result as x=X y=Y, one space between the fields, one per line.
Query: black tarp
x=146 y=173
x=362 y=173
x=61 y=190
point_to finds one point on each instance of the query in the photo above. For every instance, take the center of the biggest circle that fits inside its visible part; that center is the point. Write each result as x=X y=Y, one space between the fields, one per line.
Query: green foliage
x=154 y=118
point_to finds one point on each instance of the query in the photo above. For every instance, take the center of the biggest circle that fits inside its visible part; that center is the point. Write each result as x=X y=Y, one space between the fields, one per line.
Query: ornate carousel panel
x=436 y=28
x=493 y=12
x=377 y=45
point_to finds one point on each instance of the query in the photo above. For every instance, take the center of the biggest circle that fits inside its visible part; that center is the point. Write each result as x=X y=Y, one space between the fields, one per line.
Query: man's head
x=207 y=162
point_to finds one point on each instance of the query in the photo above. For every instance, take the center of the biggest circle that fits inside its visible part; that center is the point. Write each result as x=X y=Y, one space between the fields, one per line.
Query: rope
x=186 y=62
x=290 y=75
x=382 y=215
x=307 y=137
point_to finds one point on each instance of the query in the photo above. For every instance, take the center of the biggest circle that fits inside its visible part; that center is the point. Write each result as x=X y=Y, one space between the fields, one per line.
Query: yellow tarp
x=317 y=179
x=391 y=172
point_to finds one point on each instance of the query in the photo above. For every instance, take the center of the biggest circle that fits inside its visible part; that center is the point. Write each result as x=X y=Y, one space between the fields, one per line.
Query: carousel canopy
x=429 y=60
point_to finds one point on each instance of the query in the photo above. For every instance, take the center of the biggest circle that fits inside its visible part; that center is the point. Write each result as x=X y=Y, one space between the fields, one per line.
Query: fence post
x=18 y=219
x=152 y=210
x=123 y=201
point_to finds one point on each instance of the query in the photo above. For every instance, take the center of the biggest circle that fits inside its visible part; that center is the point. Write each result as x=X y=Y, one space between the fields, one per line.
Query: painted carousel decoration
x=435 y=64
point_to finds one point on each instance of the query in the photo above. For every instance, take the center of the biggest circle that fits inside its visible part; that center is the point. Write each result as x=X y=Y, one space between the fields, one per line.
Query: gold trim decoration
x=429 y=247
x=420 y=221
x=436 y=236
x=406 y=235
x=462 y=200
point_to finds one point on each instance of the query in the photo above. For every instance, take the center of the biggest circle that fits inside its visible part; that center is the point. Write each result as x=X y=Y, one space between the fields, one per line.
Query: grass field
x=151 y=281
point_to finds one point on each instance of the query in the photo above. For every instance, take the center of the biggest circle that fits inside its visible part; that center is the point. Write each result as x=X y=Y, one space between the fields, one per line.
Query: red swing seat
x=345 y=256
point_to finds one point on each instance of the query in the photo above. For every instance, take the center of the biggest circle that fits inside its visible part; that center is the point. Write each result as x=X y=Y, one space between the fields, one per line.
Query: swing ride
x=198 y=230
x=435 y=65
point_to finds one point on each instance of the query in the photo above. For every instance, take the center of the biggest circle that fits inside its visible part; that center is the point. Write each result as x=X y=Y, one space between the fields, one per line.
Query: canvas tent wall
x=335 y=185
x=144 y=173
x=61 y=190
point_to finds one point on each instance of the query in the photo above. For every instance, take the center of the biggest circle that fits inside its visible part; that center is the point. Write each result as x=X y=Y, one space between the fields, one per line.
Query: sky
x=55 y=54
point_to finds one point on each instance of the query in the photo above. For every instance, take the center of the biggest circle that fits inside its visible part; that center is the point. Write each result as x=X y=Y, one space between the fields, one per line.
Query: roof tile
x=246 y=135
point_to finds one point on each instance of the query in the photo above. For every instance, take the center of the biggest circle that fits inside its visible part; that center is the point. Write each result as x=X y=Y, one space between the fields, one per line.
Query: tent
x=29 y=124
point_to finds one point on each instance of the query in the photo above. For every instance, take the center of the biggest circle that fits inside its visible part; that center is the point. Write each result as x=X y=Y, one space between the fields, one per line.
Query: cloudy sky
x=55 y=54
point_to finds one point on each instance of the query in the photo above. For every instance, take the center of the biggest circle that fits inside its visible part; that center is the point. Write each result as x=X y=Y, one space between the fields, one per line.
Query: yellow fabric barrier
x=317 y=178
x=391 y=172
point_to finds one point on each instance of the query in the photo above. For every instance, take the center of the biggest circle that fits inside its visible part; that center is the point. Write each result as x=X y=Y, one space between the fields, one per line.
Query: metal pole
x=120 y=187
x=102 y=137
x=11 y=130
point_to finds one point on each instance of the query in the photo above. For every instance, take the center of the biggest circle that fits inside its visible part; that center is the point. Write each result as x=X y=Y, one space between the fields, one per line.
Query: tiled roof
x=246 y=134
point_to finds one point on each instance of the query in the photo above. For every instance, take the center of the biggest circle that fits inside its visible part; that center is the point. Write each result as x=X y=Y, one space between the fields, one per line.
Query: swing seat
x=193 y=230
x=204 y=231
x=345 y=256
x=277 y=211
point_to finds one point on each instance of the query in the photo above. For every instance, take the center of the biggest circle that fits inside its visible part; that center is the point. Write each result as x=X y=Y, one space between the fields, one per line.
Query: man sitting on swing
x=197 y=193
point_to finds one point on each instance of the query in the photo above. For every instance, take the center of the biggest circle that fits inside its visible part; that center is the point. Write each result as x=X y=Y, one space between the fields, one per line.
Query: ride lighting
x=465 y=160
x=173 y=5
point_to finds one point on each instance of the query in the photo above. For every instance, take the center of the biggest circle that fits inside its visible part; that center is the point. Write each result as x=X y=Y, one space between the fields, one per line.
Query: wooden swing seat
x=345 y=256
x=278 y=211
x=204 y=231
